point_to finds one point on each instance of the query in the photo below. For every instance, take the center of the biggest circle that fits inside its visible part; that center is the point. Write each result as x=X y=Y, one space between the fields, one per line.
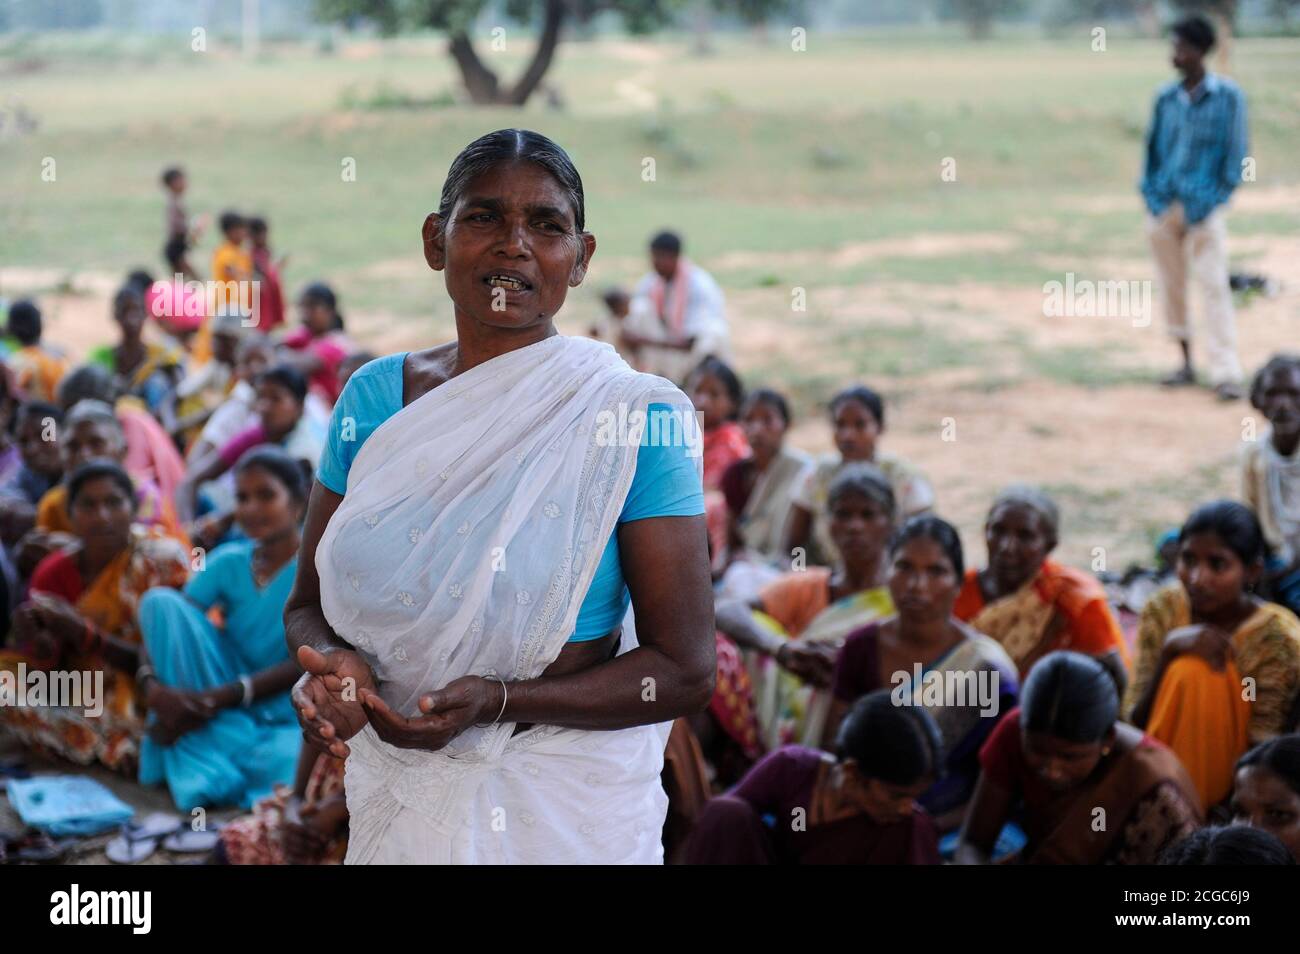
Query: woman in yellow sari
x=791 y=633
x=1217 y=667
x=81 y=618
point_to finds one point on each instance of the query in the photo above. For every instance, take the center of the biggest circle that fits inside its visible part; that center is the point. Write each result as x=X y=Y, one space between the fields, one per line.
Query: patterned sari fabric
x=109 y=602
x=762 y=696
x=255 y=839
x=1140 y=790
x=1210 y=718
x=1060 y=608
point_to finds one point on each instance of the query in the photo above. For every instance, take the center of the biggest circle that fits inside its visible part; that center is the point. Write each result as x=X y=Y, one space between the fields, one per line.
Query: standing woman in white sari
x=478 y=527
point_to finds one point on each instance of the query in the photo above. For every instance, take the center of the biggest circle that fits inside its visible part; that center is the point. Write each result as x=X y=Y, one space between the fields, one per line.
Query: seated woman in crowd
x=223 y=729
x=1217 y=668
x=281 y=393
x=307 y=825
x=1266 y=790
x=1029 y=603
x=1230 y=845
x=150 y=452
x=82 y=617
x=1066 y=761
x=238 y=412
x=858 y=419
x=36 y=437
x=793 y=629
x=91 y=431
x=759 y=490
x=319 y=344
x=11 y=459
x=717 y=394
x=204 y=389
x=1270 y=474
x=143 y=370
x=858 y=806
x=929 y=659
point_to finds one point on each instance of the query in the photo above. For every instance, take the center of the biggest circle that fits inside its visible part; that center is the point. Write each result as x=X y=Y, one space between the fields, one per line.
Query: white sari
x=471 y=529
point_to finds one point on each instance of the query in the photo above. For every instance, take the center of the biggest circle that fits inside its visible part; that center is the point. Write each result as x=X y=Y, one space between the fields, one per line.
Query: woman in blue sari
x=223 y=730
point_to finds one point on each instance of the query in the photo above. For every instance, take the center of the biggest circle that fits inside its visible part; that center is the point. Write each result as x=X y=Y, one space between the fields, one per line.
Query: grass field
x=816 y=169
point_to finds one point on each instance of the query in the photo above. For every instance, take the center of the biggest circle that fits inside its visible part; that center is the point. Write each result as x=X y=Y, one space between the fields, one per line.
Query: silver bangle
x=247 y=699
x=505 y=695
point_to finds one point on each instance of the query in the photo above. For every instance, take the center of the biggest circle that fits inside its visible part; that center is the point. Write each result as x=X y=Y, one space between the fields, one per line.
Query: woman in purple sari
x=802 y=806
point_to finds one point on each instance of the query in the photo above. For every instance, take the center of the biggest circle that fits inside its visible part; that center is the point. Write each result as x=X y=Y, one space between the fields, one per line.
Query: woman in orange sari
x=81 y=618
x=1029 y=603
x=1218 y=668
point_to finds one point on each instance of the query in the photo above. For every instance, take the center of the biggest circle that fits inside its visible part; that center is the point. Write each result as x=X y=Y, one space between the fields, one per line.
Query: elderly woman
x=478 y=524
x=1029 y=603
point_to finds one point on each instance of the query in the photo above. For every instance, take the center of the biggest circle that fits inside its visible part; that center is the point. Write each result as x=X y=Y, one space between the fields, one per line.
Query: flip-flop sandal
x=188 y=841
x=139 y=840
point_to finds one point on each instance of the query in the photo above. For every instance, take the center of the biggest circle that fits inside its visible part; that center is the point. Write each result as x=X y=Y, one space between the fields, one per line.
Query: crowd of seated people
x=879 y=699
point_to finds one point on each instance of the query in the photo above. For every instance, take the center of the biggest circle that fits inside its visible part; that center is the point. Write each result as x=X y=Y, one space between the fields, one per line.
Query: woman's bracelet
x=246 y=699
x=143 y=673
x=505 y=695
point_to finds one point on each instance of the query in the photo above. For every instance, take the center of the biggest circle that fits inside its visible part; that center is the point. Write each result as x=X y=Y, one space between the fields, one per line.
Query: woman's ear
x=588 y=249
x=435 y=247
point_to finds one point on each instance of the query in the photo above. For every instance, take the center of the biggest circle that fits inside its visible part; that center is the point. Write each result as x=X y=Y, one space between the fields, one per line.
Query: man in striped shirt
x=1195 y=149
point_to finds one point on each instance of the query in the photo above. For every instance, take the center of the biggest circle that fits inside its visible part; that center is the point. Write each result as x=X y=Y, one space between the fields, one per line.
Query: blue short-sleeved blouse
x=665 y=484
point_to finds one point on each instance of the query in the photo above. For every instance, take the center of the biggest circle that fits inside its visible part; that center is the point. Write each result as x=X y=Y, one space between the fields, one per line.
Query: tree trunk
x=546 y=44
x=480 y=82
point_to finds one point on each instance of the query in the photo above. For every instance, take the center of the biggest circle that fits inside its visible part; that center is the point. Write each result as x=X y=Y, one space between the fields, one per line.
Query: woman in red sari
x=717 y=393
x=855 y=807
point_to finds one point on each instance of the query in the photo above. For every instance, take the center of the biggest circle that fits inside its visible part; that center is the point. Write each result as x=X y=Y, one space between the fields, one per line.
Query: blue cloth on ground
x=67 y=805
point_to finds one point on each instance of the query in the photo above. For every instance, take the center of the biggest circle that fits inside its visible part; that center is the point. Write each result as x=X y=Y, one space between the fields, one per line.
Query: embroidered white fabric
x=471 y=529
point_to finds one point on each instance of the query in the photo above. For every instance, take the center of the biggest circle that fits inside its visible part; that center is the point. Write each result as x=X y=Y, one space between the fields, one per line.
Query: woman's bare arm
x=671 y=673
x=990 y=807
x=304 y=622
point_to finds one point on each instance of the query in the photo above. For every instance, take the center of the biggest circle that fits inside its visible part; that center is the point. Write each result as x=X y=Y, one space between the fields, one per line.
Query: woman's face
x=1212 y=574
x=1062 y=765
x=101 y=514
x=856 y=430
x=859 y=526
x=1262 y=799
x=1018 y=541
x=90 y=440
x=922 y=582
x=253 y=360
x=39 y=454
x=884 y=802
x=711 y=399
x=278 y=408
x=1279 y=401
x=317 y=316
x=764 y=429
x=263 y=506
x=510 y=248
x=128 y=312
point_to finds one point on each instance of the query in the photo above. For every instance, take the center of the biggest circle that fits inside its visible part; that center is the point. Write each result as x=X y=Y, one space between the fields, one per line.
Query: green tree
x=457 y=18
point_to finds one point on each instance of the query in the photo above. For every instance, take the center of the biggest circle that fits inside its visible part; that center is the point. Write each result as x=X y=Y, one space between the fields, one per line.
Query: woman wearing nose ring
x=485 y=510
x=1218 y=668
x=1093 y=790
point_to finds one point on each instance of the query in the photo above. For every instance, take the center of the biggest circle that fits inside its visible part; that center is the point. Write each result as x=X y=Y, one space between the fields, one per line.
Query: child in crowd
x=1270 y=474
x=37 y=368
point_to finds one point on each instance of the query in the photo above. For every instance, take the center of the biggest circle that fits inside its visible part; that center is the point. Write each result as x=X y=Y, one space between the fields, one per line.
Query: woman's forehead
x=516 y=184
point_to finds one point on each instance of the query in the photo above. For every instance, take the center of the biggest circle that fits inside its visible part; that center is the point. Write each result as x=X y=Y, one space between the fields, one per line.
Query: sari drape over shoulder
x=109 y=601
x=471 y=528
x=1210 y=718
x=1140 y=792
x=1060 y=608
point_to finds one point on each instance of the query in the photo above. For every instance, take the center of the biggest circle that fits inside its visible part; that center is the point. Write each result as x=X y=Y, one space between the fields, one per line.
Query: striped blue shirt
x=1194 y=147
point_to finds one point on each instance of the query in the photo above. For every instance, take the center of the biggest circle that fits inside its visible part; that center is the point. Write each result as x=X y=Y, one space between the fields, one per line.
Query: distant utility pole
x=250 y=27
